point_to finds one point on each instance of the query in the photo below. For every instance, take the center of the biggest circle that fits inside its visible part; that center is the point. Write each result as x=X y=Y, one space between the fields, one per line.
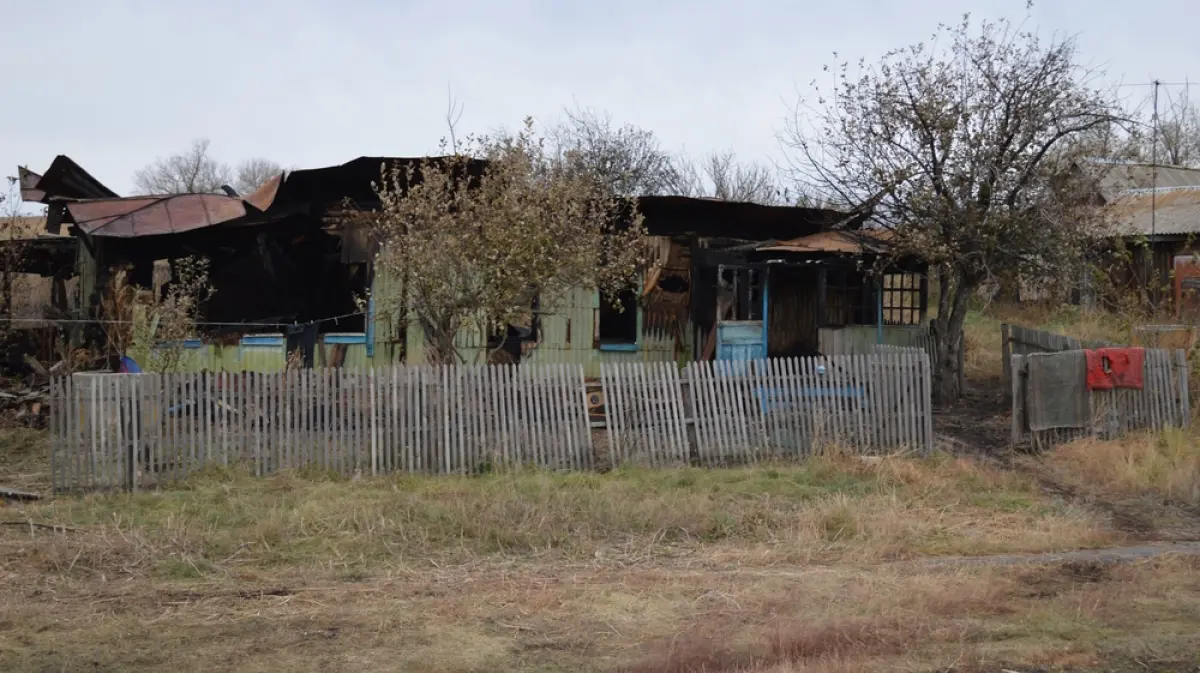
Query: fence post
x=1018 y=399
x=1185 y=403
x=1006 y=352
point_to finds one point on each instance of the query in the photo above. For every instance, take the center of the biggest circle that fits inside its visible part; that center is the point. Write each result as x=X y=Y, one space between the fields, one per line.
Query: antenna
x=1154 y=165
x=1153 y=186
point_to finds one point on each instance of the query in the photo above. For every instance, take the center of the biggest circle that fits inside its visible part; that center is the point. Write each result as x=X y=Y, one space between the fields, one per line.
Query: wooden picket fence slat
x=133 y=431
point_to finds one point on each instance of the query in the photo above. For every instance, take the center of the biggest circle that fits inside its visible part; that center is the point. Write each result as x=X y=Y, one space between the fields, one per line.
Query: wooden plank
x=649 y=431
x=510 y=419
x=489 y=417
x=673 y=453
x=114 y=425
x=723 y=416
x=1018 y=399
x=478 y=440
x=56 y=434
x=392 y=418
x=562 y=419
x=611 y=421
x=1185 y=404
x=675 y=392
x=911 y=383
x=706 y=413
x=565 y=437
x=885 y=400
x=717 y=415
x=791 y=414
x=66 y=412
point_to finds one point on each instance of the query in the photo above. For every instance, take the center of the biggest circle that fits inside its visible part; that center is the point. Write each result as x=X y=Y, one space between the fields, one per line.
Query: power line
x=1154 y=84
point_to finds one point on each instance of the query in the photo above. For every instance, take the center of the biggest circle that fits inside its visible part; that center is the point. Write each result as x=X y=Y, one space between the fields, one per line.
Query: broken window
x=739 y=294
x=617 y=324
x=901 y=299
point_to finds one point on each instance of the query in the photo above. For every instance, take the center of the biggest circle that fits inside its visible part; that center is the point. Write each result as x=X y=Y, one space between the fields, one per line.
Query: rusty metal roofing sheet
x=262 y=198
x=64 y=179
x=1166 y=212
x=154 y=215
x=847 y=242
x=29 y=181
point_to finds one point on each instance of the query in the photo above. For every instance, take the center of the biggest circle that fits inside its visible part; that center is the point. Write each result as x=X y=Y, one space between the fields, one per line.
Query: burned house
x=725 y=280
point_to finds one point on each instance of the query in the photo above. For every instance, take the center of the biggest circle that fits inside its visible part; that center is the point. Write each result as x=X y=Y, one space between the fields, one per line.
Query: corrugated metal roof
x=1115 y=179
x=154 y=215
x=64 y=179
x=1166 y=212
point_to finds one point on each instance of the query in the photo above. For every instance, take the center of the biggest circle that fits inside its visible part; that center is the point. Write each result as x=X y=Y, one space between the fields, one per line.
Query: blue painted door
x=740 y=340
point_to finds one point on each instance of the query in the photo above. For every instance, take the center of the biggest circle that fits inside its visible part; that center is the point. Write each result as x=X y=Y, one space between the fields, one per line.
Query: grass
x=1165 y=467
x=802 y=567
x=827 y=510
x=981 y=331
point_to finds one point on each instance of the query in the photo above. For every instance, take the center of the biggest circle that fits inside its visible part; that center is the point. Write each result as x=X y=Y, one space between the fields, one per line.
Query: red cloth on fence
x=1109 y=368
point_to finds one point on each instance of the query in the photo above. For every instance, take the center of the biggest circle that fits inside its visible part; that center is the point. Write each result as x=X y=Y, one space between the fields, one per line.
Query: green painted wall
x=567 y=337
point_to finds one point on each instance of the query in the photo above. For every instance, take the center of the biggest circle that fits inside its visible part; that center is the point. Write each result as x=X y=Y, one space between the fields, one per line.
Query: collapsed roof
x=78 y=199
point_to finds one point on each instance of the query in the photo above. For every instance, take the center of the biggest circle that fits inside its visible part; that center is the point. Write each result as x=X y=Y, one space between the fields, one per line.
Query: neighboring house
x=1154 y=210
x=726 y=280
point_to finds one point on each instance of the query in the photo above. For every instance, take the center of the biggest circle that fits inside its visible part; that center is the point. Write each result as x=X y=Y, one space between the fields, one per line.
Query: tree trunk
x=948 y=338
x=439 y=341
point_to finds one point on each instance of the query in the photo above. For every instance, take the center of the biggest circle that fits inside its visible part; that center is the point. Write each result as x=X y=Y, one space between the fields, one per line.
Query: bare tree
x=956 y=146
x=1178 y=132
x=14 y=230
x=628 y=159
x=252 y=173
x=474 y=246
x=192 y=171
x=720 y=175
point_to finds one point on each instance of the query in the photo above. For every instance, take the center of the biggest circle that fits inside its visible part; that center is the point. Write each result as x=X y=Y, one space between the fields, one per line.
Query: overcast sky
x=310 y=83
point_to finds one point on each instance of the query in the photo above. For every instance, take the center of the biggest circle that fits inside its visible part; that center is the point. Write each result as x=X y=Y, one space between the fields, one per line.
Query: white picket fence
x=140 y=430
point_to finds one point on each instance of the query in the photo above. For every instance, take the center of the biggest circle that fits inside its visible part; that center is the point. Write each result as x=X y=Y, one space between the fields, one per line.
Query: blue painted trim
x=620 y=347
x=186 y=343
x=778 y=398
x=347 y=338
x=370 y=335
x=263 y=340
x=879 y=311
x=765 y=288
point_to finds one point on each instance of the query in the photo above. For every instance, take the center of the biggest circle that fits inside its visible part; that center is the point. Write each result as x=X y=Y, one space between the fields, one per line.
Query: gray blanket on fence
x=1056 y=391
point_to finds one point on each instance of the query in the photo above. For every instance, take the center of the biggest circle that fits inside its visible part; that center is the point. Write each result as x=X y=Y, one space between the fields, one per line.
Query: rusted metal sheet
x=847 y=242
x=265 y=195
x=64 y=179
x=29 y=189
x=154 y=215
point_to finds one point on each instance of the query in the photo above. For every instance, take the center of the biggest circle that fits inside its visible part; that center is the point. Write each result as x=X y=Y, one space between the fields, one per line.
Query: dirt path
x=1086 y=556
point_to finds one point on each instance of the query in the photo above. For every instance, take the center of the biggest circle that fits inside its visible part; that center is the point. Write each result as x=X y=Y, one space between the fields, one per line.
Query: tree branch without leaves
x=958 y=147
x=472 y=251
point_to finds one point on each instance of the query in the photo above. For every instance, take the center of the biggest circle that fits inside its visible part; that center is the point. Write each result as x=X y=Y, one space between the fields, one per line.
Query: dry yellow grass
x=981 y=332
x=606 y=617
x=811 y=567
x=1163 y=466
x=831 y=509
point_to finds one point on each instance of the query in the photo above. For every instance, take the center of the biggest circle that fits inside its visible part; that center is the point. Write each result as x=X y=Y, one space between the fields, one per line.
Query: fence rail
x=140 y=430
x=1162 y=402
x=1018 y=340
